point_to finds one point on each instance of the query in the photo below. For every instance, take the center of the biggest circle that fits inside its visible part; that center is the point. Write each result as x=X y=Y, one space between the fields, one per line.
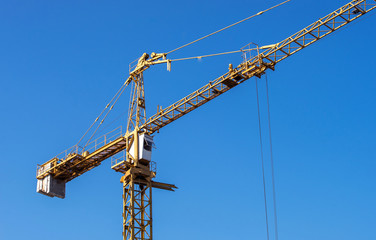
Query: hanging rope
x=262 y=162
x=108 y=104
x=120 y=92
x=271 y=160
x=211 y=55
x=112 y=122
x=220 y=30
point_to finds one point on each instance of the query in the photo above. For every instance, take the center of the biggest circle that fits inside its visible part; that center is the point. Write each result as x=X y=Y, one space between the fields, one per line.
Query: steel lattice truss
x=137 y=214
x=257 y=65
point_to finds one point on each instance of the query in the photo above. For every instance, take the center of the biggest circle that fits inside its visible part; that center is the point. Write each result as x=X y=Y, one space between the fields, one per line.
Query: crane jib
x=258 y=64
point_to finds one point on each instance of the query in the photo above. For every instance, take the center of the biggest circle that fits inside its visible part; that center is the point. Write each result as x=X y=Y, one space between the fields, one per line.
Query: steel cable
x=220 y=30
x=271 y=160
x=112 y=106
x=108 y=104
x=262 y=162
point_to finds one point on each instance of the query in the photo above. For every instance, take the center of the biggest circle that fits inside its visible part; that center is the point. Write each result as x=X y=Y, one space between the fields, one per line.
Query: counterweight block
x=51 y=187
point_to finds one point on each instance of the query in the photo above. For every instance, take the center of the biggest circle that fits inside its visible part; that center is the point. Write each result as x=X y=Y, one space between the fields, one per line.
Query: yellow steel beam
x=257 y=65
x=75 y=164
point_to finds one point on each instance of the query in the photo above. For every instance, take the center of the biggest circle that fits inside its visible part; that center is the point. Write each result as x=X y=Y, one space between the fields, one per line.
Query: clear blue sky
x=61 y=61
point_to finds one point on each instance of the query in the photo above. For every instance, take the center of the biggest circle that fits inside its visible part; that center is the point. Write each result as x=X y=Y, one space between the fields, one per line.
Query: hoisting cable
x=220 y=30
x=271 y=160
x=117 y=96
x=112 y=122
x=209 y=55
x=104 y=118
x=108 y=104
x=262 y=162
x=129 y=108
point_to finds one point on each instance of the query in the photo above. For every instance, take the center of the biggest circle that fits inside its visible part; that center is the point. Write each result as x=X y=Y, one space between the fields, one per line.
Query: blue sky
x=62 y=61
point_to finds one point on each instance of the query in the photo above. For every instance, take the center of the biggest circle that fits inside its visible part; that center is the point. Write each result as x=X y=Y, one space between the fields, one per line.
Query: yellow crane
x=134 y=146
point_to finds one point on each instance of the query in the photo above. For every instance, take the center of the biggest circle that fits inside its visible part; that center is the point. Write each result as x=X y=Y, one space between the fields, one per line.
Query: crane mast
x=137 y=194
x=137 y=168
x=136 y=143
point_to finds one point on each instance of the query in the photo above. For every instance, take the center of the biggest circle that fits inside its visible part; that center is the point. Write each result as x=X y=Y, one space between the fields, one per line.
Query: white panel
x=146 y=146
x=145 y=143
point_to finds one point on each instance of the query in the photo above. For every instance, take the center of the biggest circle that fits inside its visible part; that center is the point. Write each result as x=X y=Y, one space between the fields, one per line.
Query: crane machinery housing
x=132 y=148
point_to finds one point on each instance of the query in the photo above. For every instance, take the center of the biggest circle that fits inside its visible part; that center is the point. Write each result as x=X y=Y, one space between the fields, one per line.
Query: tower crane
x=135 y=144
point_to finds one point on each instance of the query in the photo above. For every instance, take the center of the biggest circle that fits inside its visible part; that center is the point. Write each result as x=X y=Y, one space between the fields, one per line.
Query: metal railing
x=118 y=158
x=78 y=150
x=122 y=157
x=103 y=140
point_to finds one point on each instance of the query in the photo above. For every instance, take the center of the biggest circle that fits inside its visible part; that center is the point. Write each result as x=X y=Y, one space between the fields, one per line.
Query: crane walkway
x=77 y=160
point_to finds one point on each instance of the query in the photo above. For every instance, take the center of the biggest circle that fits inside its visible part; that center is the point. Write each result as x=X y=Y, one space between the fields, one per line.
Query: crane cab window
x=148 y=145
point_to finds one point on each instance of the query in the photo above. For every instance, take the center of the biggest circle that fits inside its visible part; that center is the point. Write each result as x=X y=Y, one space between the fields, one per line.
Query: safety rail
x=118 y=158
x=78 y=152
x=76 y=149
x=103 y=140
x=119 y=163
x=133 y=65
